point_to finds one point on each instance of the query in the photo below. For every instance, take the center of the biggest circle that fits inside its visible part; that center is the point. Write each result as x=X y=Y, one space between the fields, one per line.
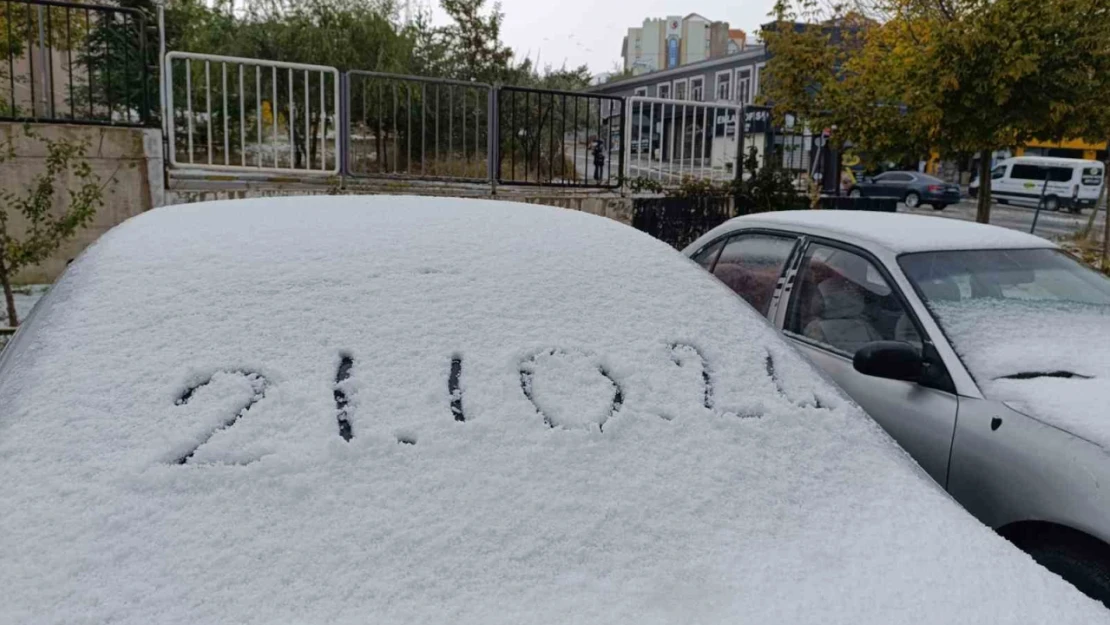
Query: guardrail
x=669 y=140
x=269 y=116
x=75 y=63
x=559 y=138
x=415 y=127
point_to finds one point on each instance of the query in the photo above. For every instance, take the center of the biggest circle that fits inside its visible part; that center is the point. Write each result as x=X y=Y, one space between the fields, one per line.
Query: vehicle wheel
x=913 y=200
x=855 y=193
x=939 y=207
x=1051 y=203
x=1079 y=559
x=973 y=192
x=1004 y=202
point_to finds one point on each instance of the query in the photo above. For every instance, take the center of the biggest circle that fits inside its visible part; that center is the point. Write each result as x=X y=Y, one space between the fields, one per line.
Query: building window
x=723 y=87
x=744 y=86
x=663 y=90
x=680 y=90
x=758 y=79
x=640 y=91
x=697 y=89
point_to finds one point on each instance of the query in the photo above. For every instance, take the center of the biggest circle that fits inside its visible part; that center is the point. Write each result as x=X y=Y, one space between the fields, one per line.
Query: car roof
x=250 y=412
x=1054 y=160
x=896 y=232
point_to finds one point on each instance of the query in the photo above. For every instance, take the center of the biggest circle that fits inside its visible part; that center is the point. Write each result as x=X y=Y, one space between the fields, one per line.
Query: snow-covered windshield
x=1045 y=275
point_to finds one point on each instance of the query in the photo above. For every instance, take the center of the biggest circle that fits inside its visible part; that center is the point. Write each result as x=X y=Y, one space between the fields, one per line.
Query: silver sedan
x=984 y=352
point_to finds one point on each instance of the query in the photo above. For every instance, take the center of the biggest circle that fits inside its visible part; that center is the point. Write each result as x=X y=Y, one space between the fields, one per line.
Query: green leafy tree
x=955 y=76
x=56 y=204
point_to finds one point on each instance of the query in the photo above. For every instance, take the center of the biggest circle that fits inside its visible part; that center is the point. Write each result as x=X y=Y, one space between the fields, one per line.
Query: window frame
x=727 y=73
x=685 y=88
x=747 y=93
x=1023 y=166
x=640 y=92
x=701 y=87
x=757 y=79
x=780 y=282
x=659 y=91
x=794 y=301
x=890 y=177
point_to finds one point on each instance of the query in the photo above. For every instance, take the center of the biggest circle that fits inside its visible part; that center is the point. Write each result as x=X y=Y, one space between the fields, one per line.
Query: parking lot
x=1050 y=225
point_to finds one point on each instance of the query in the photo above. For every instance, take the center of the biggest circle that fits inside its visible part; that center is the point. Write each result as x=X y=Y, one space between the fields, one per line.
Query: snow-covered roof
x=459 y=412
x=897 y=232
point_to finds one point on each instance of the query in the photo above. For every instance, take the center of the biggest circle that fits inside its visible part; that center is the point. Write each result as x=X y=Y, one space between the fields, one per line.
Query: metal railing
x=559 y=138
x=415 y=127
x=77 y=63
x=244 y=114
x=789 y=147
x=670 y=140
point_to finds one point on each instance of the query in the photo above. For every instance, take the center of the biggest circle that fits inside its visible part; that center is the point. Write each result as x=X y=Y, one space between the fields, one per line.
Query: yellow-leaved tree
x=901 y=78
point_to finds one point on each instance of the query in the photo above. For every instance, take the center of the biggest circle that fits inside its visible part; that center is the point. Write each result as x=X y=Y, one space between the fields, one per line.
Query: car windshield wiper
x=1029 y=375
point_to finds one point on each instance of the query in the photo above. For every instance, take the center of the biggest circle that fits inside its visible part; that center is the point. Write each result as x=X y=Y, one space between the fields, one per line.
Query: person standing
x=599 y=159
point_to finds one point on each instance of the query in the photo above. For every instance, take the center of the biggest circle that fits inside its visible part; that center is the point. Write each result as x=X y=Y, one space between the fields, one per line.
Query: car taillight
x=935 y=188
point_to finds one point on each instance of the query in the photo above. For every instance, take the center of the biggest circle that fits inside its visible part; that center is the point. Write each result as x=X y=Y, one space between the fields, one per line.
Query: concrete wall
x=604 y=203
x=132 y=157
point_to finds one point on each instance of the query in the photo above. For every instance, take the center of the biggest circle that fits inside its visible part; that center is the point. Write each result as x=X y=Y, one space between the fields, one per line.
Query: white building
x=673 y=41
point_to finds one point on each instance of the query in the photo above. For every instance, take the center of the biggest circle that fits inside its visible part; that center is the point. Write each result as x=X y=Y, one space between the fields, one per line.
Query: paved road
x=1049 y=225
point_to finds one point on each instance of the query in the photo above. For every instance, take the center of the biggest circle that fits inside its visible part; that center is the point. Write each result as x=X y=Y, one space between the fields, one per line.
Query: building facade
x=708 y=133
x=731 y=78
x=674 y=41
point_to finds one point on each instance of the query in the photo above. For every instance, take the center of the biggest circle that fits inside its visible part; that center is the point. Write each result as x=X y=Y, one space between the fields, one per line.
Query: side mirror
x=893 y=360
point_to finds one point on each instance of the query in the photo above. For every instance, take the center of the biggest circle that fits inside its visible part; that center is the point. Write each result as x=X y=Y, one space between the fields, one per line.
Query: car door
x=839 y=298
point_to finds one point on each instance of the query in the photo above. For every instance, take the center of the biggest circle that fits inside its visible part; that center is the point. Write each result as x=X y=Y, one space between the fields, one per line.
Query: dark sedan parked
x=911 y=187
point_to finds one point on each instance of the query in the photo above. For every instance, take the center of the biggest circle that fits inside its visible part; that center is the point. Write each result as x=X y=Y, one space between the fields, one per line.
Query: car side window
x=844 y=302
x=895 y=177
x=751 y=264
x=708 y=255
x=998 y=172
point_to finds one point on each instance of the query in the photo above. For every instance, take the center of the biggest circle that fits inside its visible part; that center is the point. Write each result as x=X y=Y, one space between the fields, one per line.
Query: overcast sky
x=589 y=32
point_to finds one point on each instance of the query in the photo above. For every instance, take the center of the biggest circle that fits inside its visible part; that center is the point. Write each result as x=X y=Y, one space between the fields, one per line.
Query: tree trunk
x=1105 y=226
x=983 y=212
x=9 y=297
x=1103 y=199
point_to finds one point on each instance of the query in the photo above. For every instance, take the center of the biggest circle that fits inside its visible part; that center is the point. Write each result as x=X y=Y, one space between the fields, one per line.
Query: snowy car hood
x=541 y=417
x=1046 y=359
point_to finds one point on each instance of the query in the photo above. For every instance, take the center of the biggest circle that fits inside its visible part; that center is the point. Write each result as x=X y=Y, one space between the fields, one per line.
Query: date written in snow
x=682 y=355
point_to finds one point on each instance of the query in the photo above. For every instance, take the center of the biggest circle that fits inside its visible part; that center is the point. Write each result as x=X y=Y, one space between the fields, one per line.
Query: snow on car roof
x=388 y=410
x=895 y=231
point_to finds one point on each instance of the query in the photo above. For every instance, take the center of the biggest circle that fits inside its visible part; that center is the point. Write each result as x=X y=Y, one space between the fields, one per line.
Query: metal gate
x=259 y=116
x=669 y=140
x=559 y=138
x=414 y=127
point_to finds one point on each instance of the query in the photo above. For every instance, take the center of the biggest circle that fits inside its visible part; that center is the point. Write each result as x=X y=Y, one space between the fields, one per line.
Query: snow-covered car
x=984 y=352
x=395 y=410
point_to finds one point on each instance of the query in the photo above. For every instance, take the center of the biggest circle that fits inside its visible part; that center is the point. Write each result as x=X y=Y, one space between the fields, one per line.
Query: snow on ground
x=249 y=412
x=998 y=339
x=25 y=299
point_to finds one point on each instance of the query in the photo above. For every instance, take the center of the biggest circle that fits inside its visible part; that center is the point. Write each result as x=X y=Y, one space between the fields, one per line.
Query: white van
x=1072 y=183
